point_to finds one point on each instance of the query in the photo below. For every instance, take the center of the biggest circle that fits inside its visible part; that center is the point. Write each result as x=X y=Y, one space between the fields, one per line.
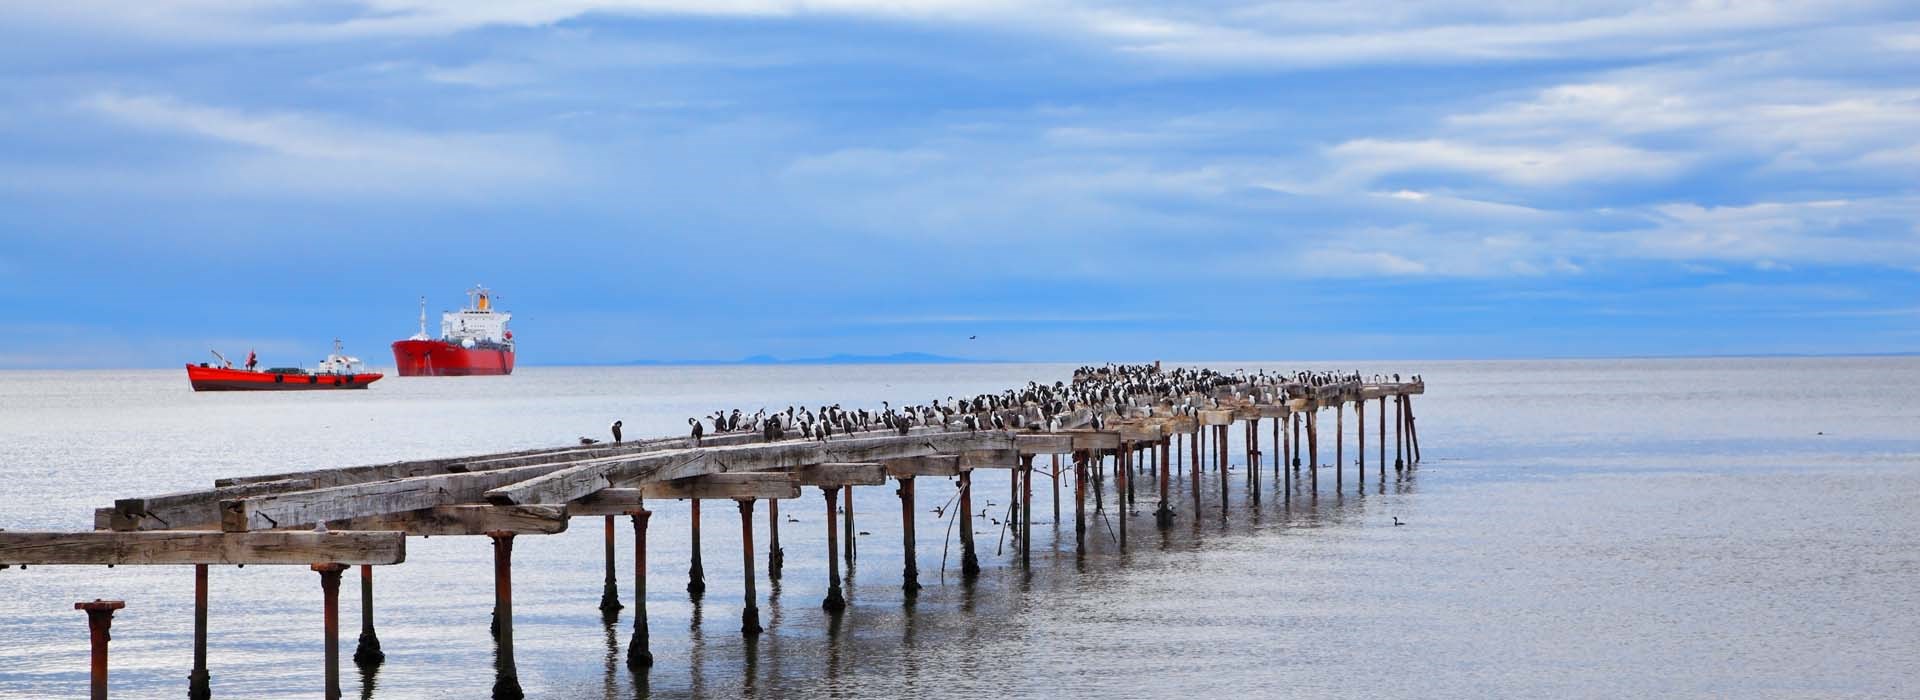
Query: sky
x=1057 y=180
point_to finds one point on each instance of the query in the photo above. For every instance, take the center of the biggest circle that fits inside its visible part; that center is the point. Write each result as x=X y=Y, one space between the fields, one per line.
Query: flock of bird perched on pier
x=1103 y=390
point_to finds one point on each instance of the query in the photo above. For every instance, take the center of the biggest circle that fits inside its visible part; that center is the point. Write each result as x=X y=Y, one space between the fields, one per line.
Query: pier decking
x=333 y=519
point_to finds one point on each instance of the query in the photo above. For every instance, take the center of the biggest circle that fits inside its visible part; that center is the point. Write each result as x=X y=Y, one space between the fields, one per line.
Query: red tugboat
x=473 y=341
x=338 y=371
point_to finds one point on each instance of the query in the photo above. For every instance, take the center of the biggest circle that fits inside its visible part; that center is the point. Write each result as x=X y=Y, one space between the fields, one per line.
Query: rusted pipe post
x=368 y=652
x=330 y=605
x=199 y=682
x=1252 y=429
x=1313 y=449
x=750 y=615
x=610 y=588
x=1056 y=491
x=1026 y=511
x=1360 y=440
x=1132 y=467
x=1296 y=439
x=1013 y=494
x=776 y=557
x=910 y=573
x=1197 y=448
x=835 y=601
x=696 y=574
x=847 y=529
x=1339 y=446
x=506 y=682
x=1120 y=489
x=640 y=647
x=1279 y=441
x=99 y=622
x=1163 y=516
x=1413 y=432
x=1080 y=500
x=1383 y=440
x=969 y=563
x=1399 y=433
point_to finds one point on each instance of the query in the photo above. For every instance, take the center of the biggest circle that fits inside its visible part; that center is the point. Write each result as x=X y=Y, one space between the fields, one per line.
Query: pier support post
x=1360 y=440
x=1296 y=439
x=776 y=557
x=696 y=574
x=910 y=572
x=610 y=587
x=640 y=647
x=367 y=652
x=749 y=615
x=1026 y=511
x=1383 y=440
x=99 y=622
x=1339 y=447
x=1313 y=449
x=1056 y=491
x=847 y=527
x=199 y=682
x=969 y=562
x=506 y=682
x=1121 y=488
x=330 y=616
x=1080 y=500
x=1163 y=516
x=1413 y=433
x=835 y=600
x=1400 y=432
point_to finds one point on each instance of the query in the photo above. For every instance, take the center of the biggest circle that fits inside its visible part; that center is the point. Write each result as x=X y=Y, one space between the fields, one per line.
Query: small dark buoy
x=864 y=532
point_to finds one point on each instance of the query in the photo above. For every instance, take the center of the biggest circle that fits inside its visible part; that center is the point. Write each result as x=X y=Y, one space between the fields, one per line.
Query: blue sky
x=1077 y=181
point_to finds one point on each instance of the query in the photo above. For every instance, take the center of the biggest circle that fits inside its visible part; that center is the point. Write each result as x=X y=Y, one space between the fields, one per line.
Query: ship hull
x=222 y=379
x=438 y=358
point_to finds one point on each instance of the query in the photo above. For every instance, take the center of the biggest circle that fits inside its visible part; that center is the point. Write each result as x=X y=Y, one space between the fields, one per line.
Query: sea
x=1674 y=528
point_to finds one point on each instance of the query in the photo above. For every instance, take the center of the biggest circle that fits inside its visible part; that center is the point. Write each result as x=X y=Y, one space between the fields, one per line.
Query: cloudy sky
x=1067 y=180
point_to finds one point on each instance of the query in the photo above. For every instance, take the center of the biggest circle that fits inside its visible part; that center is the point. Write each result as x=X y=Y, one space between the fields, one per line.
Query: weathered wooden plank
x=926 y=465
x=576 y=482
x=1090 y=440
x=835 y=474
x=466 y=520
x=742 y=485
x=1268 y=410
x=990 y=459
x=190 y=510
x=202 y=547
x=1132 y=432
x=1215 y=416
x=302 y=508
x=1044 y=443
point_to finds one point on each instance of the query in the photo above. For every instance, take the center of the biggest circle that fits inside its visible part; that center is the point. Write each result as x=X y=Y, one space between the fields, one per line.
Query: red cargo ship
x=338 y=371
x=473 y=341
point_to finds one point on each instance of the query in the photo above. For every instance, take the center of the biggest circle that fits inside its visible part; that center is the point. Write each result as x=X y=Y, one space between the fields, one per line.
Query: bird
x=616 y=432
x=699 y=429
x=584 y=440
x=1396 y=521
x=971 y=337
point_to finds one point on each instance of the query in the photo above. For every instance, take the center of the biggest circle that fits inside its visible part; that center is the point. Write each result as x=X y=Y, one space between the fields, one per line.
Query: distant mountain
x=898 y=358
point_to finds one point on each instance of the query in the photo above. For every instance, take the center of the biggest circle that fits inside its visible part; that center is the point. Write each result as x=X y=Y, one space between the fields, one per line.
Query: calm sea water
x=1633 y=528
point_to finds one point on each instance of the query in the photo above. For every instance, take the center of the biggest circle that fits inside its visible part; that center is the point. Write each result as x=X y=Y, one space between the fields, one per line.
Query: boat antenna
x=423 y=317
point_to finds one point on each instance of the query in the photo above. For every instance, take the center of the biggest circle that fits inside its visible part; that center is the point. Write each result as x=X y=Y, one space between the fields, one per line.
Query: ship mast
x=423 y=319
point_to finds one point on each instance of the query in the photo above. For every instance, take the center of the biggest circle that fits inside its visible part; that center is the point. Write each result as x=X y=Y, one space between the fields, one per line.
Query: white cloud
x=1363 y=161
x=289 y=152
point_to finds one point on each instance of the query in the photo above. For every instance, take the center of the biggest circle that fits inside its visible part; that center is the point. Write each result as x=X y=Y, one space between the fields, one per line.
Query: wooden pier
x=334 y=519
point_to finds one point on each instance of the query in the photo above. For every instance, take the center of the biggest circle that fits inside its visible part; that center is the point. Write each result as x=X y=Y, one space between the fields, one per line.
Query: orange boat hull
x=223 y=379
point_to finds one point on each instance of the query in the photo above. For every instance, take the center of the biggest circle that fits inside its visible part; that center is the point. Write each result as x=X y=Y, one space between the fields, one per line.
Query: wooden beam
x=190 y=510
x=1216 y=417
x=1044 y=443
x=466 y=520
x=202 y=547
x=772 y=485
x=304 y=508
x=928 y=465
x=1090 y=440
x=837 y=474
x=990 y=459
x=576 y=482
